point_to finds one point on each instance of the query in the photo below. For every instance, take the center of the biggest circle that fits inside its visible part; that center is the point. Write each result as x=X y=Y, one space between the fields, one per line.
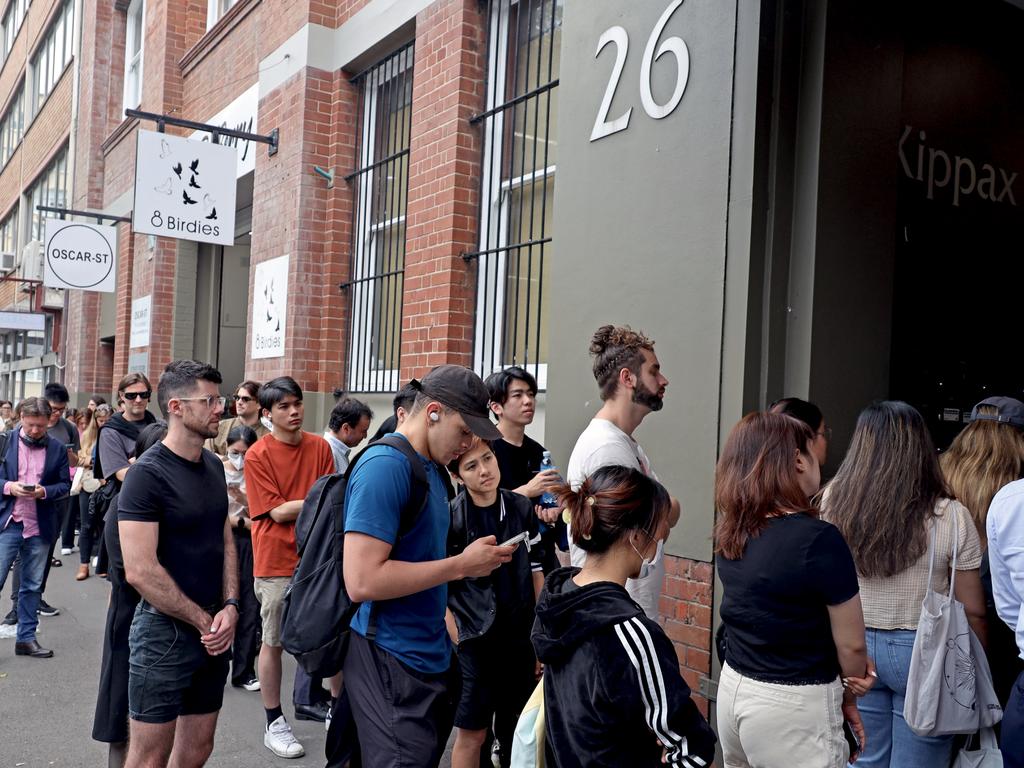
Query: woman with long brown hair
x=613 y=694
x=90 y=530
x=985 y=456
x=791 y=606
x=890 y=501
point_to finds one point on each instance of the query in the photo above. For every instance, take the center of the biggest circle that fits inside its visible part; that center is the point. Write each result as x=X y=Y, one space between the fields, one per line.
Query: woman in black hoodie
x=613 y=695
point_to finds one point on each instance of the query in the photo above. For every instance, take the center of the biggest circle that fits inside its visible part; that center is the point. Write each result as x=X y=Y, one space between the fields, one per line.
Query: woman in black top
x=791 y=605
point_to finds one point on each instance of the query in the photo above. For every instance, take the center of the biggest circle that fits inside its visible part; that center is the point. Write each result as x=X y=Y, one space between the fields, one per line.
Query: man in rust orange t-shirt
x=279 y=471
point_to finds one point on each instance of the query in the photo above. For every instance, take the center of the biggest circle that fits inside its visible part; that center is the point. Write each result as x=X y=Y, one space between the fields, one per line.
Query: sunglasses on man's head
x=137 y=395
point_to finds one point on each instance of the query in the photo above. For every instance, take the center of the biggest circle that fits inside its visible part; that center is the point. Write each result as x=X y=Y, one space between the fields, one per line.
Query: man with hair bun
x=632 y=385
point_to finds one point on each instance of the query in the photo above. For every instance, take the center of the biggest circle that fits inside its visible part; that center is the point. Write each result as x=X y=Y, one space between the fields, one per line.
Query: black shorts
x=497 y=677
x=169 y=671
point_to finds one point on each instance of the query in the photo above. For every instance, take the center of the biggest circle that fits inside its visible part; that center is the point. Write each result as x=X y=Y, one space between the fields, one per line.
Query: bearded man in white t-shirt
x=632 y=386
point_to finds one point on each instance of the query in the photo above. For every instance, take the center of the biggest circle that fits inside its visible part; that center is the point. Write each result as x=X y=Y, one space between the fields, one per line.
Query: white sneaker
x=65 y=551
x=280 y=740
x=251 y=685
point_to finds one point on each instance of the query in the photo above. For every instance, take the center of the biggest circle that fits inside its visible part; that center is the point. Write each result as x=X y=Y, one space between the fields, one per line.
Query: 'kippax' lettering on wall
x=936 y=169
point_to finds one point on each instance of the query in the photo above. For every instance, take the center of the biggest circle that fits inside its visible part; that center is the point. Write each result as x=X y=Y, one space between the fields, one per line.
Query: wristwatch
x=232 y=601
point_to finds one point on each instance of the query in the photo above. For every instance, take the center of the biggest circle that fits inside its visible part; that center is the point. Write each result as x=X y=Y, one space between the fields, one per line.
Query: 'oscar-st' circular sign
x=79 y=256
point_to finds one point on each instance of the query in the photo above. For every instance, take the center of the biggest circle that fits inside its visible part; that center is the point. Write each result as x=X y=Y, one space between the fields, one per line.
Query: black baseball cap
x=458 y=388
x=1008 y=411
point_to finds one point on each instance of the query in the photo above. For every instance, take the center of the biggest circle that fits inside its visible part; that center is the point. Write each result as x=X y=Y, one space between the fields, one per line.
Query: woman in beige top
x=888 y=500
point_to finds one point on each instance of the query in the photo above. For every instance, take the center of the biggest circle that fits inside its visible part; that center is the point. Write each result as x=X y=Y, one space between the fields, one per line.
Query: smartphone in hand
x=29 y=488
x=851 y=739
x=516 y=540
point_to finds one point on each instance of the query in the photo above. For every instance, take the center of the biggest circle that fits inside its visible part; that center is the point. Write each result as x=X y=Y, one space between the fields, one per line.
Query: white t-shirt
x=603 y=444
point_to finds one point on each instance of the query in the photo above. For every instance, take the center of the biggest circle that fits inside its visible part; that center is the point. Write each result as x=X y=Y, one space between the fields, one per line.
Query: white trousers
x=766 y=725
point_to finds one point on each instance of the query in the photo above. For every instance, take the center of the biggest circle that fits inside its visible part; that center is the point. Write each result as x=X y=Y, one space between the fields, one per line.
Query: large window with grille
x=518 y=179
x=380 y=185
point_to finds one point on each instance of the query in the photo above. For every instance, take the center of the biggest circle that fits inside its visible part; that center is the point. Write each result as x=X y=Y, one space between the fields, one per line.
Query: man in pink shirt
x=34 y=471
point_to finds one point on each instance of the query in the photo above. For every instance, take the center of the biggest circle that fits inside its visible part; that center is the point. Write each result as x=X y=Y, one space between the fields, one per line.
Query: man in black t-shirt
x=513 y=393
x=179 y=555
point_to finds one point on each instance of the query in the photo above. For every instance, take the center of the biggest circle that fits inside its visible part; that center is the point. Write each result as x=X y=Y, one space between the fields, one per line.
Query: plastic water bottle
x=547 y=499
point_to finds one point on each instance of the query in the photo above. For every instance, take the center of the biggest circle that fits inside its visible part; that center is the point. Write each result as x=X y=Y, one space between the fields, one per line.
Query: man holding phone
x=400 y=676
x=34 y=472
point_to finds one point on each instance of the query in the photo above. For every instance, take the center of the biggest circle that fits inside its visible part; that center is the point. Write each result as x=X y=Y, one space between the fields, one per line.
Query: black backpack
x=317 y=609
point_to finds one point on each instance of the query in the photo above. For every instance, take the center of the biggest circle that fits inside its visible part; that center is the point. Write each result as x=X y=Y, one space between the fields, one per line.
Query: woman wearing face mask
x=796 y=651
x=243 y=654
x=613 y=694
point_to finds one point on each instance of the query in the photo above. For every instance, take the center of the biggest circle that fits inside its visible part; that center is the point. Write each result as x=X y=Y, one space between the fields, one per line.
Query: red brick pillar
x=102 y=47
x=290 y=217
x=444 y=186
x=126 y=268
x=685 y=613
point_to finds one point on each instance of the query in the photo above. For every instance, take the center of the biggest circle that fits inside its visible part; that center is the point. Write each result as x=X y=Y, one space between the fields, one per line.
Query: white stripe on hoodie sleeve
x=639 y=646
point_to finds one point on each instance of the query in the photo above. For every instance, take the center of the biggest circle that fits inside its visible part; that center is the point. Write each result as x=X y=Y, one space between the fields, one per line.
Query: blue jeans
x=1012 y=743
x=35 y=554
x=890 y=742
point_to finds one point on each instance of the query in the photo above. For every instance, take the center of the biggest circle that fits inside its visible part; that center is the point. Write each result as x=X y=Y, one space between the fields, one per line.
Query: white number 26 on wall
x=674 y=45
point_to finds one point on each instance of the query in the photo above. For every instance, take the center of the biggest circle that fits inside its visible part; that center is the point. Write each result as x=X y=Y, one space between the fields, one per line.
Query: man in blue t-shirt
x=400 y=677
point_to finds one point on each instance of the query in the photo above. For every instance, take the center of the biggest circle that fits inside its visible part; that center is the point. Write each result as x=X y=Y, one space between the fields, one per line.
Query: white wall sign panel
x=142 y=310
x=185 y=189
x=80 y=256
x=269 y=308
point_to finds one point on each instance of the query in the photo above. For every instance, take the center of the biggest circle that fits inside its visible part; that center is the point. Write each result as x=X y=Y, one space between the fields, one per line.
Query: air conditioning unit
x=32 y=260
x=7 y=262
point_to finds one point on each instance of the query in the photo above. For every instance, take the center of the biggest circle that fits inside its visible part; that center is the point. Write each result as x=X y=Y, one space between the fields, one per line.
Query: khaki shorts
x=270 y=592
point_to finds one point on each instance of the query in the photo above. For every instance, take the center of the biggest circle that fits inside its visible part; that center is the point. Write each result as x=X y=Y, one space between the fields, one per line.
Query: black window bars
x=381 y=186
x=517 y=186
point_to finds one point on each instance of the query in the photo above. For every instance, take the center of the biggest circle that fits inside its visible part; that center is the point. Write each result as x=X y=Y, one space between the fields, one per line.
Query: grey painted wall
x=640 y=236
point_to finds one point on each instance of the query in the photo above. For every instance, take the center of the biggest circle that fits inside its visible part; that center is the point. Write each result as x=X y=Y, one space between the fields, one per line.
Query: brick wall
x=126 y=262
x=444 y=182
x=685 y=614
x=89 y=364
x=49 y=130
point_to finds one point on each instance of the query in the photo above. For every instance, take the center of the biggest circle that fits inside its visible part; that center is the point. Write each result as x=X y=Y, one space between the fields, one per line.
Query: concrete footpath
x=46 y=705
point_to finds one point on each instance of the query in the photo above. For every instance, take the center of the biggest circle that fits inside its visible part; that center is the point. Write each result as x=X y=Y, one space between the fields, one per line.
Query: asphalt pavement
x=46 y=705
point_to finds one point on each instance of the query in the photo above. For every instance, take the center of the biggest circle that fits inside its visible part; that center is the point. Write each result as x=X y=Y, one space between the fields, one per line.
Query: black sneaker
x=11 y=619
x=45 y=609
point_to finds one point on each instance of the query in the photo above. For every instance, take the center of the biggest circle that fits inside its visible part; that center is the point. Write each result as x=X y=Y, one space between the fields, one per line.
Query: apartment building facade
x=37 y=92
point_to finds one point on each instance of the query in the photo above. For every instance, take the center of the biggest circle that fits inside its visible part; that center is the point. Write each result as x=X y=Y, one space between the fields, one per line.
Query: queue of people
x=514 y=586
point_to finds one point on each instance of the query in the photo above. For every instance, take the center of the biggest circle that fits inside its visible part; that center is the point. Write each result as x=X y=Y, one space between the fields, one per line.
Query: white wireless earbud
x=434 y=416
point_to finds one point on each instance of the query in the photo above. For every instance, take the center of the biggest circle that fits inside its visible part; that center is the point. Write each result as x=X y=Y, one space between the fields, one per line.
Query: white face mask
x=237 y=460
x=647 y=566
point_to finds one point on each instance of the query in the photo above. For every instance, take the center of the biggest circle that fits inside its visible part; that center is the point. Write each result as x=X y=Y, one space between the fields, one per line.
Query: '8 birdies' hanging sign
x=185 y=189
